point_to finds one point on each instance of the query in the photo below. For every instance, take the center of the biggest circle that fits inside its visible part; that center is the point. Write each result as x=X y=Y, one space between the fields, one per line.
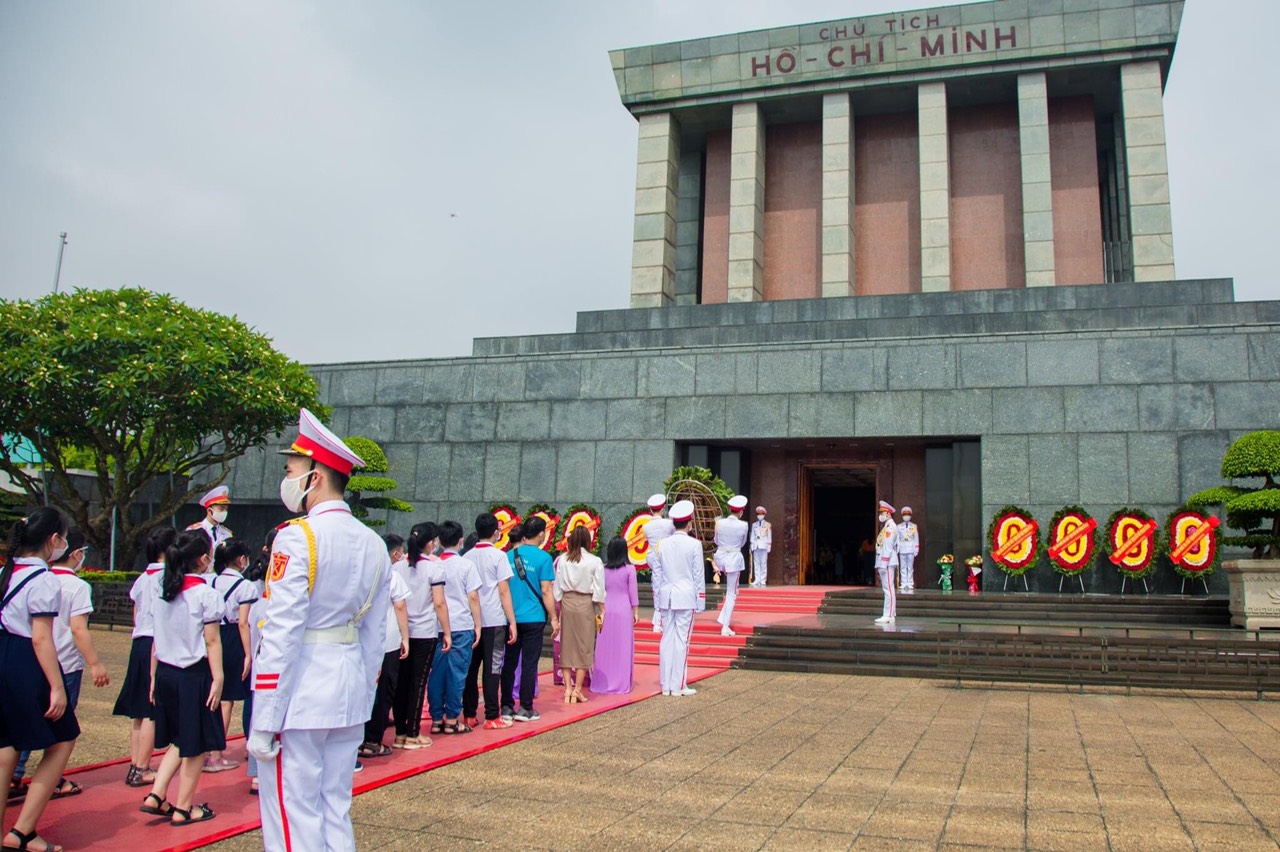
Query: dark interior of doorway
x=844 y=535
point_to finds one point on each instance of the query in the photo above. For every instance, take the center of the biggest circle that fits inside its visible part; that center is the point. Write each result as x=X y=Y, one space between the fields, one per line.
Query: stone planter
x=1255 y=592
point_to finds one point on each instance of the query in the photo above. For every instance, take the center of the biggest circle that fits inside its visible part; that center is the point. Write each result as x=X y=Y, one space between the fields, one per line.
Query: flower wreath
x=508 y=518
x=548 y=514
x=579 y=515
x=1131 y=542
x=1191 y=543
x=1072 y=543
x=632 y=530
x=1012 y=537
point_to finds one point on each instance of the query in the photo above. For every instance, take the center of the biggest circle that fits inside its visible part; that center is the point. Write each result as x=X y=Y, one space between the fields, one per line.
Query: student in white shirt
x=449 y=667
x=428 y=615
x=395 y=650
x=497 y=626
x=186 y=678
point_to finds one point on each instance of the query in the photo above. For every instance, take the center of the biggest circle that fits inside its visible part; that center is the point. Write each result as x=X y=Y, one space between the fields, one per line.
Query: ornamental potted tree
x=1253 y=508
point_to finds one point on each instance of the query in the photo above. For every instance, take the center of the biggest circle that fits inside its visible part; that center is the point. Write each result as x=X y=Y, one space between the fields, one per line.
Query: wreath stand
x=1202 y=580
x=1063 y=577
x=1145 y=588
x=1025 y=585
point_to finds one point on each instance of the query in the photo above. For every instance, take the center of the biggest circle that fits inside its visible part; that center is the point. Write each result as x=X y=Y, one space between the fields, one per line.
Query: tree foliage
x=131 y=385
x=1256 y=509
x=363 y=482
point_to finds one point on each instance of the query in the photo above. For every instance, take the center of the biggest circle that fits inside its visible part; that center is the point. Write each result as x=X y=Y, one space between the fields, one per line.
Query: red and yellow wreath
x=507 y=517
x=548 y=514
x=1072 y=544
x=1192 y=543
x=632 y=530
x=1013 y=539
x=579 y=515
x=1131 y=542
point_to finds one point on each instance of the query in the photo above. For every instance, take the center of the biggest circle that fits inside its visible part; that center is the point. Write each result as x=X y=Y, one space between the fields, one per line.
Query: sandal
x=398 y=742
x=24 y=839
x=416 y=742
x=222 y=764
x=137 y=776
x=161 y=808
x=457 y=727
x=206 y=813
x=253 y=787
x=373 y=750
x=437 y=728
x=66 y=788
x=579 y=697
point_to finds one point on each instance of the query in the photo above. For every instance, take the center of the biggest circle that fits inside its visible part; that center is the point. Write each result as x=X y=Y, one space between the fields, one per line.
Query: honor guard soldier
x=908 y=547
x=761 y=544
x=731 y=535
x=215 y=505
x=655 y=531
x=886 y=556
x=683 y=592
x=317 y=665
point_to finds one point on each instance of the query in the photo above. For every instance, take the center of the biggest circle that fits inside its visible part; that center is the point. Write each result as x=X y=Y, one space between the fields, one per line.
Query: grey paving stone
x=501 y=472
x=1102 y=408
x=524 y=421
x=466 y=472
x=958 y=412
x=614 y=469
x=716 y=374
x=1006 y=470
x=891 y=413
x=696 y=418
x=575 y=472
x=375 y=422
x=498 y=380
x=1153 y=469
x=1247 y=405
x=993 y=365
x=922 y=367
x=1067 y=362
x=1104 y=468
x=609 y=378
x=1028 y=410
x=654 y=461
x=789 y=371
x=422 y=423
x=447 y=382
x=860 y=369
x=1136 y=360
x=400 y=385
x=432 y=480
x=471 y=421
x=352 y=387
x=824 y=415
x=1200 y=459
x=1264 y=356
x=1168 y=407
x=537 y=471
x=577 y=420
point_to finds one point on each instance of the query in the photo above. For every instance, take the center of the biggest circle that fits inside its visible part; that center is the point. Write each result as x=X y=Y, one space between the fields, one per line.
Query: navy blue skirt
x=234 y=687
x=182 y=717
x=26 y=699
x=134 y=700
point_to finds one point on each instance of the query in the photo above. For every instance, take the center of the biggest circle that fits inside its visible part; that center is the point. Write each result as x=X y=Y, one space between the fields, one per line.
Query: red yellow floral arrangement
x=507 y=517
x=632 y=531
x=1012 y=537
x=1072 y=544
x=1192 y=543
x=548 y=514
x=579 y=515
x=1131 y=542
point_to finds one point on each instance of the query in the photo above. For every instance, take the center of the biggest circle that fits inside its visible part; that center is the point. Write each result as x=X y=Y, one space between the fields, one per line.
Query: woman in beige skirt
x=579 y=587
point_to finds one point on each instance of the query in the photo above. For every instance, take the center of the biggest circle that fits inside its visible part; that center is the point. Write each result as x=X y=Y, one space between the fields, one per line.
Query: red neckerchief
x=448 y=554
x=155 y=570
x=63 y=572
x=484 y=544
x=190 y=581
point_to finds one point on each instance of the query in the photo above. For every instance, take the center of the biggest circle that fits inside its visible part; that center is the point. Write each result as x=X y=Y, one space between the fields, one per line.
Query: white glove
x=263 y=745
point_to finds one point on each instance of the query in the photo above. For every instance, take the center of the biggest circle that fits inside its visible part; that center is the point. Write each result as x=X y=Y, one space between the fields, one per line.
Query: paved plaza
x=762 y=760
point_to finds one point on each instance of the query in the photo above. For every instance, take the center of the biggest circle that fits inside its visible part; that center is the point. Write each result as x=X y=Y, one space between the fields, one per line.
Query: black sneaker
x=526 y=715
x=359 y=766
x=508 y=713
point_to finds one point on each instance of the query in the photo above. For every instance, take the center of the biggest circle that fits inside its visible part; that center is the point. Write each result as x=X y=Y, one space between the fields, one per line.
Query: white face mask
x=292 y=493
x=906 y=519
x=883 y=517
x=219 y=516
x=58 y=552
x=80 y=561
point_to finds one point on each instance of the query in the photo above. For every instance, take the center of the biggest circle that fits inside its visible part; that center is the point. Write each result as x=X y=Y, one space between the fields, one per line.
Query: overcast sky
x=380 y=180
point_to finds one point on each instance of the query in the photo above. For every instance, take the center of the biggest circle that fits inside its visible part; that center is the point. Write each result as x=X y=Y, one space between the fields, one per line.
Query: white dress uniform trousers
x=908 y=547
x=886 y=551
x=731 y=535
x=315 y=674
x=654 y=532
x=761 y=545
x=683 y=593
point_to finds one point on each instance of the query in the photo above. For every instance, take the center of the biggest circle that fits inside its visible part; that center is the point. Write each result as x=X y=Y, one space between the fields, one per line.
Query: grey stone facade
x=1105 y=395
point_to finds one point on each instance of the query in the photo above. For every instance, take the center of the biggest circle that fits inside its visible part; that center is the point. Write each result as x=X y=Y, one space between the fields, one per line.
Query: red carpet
x=106 y=817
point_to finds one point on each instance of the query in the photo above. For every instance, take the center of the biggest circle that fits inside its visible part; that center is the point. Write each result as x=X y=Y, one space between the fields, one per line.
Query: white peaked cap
x=906 y=510
x=682 y=511
x=737 y=502
x=317 y=443
x=221 y=494
x=657 y=501
x=887 y=507
x=762 y=509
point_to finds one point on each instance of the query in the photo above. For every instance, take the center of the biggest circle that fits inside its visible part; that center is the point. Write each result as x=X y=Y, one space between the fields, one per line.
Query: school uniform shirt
x=460 y=579
x=423 y=623
x=399 y=592
x=234 y=590
x=40 y=596
x=143 y=593
x=493 y=567
x=77 y=599
x=180 y=623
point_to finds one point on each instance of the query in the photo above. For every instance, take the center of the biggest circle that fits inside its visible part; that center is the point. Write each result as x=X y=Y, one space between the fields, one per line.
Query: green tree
x=1256 y=509
x=364 y=481
x=136 y=385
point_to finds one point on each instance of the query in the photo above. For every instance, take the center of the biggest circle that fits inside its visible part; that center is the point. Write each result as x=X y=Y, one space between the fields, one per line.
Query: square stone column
x=746 y=204
x=653 y=252
x=1150 y=216
x=935 y=189
x=838 y=249
x=1037 y=179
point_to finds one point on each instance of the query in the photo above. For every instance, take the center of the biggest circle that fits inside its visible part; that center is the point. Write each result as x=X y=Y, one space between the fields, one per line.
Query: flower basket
x=945 y=563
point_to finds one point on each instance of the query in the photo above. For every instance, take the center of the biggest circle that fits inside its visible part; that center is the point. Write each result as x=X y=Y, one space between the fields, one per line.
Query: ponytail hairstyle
x=182 y=558
x=420 y=538
x=533 y=527
x=228 y=552
x=579 y=540
x=615 y=553
x=29 y=535
x=159 y=540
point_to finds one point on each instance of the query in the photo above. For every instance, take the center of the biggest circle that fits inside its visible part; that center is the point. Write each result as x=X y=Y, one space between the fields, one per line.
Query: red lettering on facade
x=786 y=62
x=757 y=66
x=833 y=58
x=865 y=53
x=937 y=48
x=931 y=20
x=972 y=40
x=1012 y=37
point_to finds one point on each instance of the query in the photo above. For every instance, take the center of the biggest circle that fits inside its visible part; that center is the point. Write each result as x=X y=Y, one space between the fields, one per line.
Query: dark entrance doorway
x=840 y=515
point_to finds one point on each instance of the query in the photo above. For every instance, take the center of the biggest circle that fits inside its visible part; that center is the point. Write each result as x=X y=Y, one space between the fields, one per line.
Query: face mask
x=292 y=493
x=759 y=517
x=219 y=516
x=58 y=552
x=883 y=518
x=906 y=519
x=80 y=561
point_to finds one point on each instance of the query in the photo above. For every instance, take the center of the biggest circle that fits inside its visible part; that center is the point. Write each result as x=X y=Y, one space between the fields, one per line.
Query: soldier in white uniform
x=215 y=504
x=316 y=669
x=908 y=547
x=655 y=531
x=731 y=535
x=683 y=592
x=761 y=544
x=886 y=556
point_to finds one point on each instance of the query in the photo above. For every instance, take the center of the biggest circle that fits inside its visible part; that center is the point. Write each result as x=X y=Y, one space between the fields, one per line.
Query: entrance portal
x=838 y=524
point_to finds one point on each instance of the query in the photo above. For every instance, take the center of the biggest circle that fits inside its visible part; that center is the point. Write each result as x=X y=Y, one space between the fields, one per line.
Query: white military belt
x=728 y=548
x=344 y=635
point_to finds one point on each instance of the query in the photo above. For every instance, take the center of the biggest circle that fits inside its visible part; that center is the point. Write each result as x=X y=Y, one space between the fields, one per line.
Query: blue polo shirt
x=538 y=567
